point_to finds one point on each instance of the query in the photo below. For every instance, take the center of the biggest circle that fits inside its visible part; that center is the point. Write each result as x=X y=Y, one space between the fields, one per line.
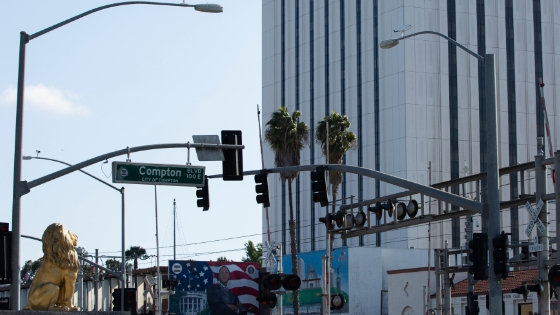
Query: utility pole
x=540 y=179
x=96 y=280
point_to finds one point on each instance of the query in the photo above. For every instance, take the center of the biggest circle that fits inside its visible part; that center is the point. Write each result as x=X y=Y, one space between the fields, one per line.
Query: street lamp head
x=389 y=43
x=26 y=157
x=209 y=8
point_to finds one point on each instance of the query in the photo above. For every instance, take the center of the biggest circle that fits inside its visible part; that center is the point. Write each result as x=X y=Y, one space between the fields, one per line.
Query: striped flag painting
x=194 y=277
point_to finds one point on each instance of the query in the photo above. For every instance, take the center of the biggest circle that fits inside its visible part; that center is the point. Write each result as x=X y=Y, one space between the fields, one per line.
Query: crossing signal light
x=268 y=282
x=232 y=165
x=268 y=300
x=554 y=276
x=479 y=256
x=262 y=189
x=472 y=304
x=377 y=209
x=290 y=282
x=319 y=186
x=337 y=301
x=500 y=255
x=328 y=221
x=204 y=196
x=5 y=253
x=360 y=219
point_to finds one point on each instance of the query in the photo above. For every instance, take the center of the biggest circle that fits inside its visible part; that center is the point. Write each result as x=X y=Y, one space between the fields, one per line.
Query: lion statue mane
x=53 y=286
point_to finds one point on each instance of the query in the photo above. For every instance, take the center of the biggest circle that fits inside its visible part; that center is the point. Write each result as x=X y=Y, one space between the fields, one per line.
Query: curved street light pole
x=18 y=187
x=491 y=215
x=121 y=191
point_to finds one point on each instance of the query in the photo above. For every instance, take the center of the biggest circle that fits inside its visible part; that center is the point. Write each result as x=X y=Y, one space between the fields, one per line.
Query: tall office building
x=418 y=109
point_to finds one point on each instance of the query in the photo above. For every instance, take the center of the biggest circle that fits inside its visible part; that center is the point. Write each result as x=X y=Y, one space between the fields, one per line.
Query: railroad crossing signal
x=534 y=212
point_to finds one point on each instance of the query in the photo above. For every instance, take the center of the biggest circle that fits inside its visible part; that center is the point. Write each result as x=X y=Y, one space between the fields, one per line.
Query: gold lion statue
x=53 y=286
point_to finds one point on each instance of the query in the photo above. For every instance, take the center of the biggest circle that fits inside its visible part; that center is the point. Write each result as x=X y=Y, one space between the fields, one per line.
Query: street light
x=492 y=209
x=19 y=186
x=121 y=191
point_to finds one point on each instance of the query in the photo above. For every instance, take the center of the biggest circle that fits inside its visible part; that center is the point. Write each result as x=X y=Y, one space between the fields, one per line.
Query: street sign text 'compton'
x=158 y=174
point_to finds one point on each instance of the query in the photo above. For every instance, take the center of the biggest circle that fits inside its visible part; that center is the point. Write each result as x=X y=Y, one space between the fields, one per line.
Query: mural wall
x=311 y=274
x=209 y=287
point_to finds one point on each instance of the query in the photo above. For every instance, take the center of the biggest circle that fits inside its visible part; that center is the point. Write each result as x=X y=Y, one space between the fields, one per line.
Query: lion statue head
x=58 y=247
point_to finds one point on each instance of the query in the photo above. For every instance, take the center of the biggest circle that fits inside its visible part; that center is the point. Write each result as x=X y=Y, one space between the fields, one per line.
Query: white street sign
x=536 y=248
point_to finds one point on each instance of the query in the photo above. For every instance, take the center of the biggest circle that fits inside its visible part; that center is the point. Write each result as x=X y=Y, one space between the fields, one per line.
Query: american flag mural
x=195 y=276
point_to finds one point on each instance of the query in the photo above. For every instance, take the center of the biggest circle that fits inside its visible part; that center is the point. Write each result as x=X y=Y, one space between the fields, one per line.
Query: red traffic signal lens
x=4 y=227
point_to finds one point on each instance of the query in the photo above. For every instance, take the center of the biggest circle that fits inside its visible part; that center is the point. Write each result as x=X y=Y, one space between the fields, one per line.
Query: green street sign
x=158 y=174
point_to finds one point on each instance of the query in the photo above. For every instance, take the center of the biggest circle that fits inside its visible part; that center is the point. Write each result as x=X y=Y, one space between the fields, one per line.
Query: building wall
x=414 y=100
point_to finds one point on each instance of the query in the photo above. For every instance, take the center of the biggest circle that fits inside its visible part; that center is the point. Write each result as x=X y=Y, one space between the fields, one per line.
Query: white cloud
x=47 y=99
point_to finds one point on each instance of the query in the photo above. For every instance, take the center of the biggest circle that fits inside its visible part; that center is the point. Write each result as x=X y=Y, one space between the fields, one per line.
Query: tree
x=339 y=142
x=253 y=253
x=133 y=253
x=287 y=137
x=113 y=265
x=223 y=259
x=29 y=270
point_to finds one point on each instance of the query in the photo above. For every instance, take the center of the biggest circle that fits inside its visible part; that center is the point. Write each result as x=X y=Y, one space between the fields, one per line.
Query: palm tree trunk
x=293 y=246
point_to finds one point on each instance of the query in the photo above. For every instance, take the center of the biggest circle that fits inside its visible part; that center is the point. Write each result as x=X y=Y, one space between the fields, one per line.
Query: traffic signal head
x=130 y=300
x=389 y=206
x=268 y=300
x=337 y=301
x=338 y=218
x=479 y=256
x=412 y=208
x=328 y=221
x=203 y=194
x=117 y=299
x=360 y=219
x=377 y=209
x=262 y=189
x=500 y=255
x=554 y=276
x=401 y=211
x=232 y=165
x=4 y=227
x=291 y=282
x=272 y=281
x=472 y=304
x=319 y=186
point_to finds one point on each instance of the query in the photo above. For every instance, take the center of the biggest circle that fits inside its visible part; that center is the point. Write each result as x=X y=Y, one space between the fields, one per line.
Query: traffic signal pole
x=540 y=179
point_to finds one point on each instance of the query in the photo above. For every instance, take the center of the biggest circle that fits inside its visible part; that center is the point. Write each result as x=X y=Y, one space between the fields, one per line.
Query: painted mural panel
x=217 y=288
x=311 y=274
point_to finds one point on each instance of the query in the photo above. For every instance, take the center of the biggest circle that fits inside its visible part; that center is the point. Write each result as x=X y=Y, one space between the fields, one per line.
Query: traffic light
x=117 y=299
x=170 y=284
x=479 y=256
x=203 y=194
x=130 y=300
x=290 y=282
x=554 y=276
x=500 y=255
x=337 y=301
x=472 y=304
x=328 y=221
x=377 y=209
x=268 y=282
x=5 y=253
x=319 y=186
x=232 y=165
x=360 y=219
x=262 y=189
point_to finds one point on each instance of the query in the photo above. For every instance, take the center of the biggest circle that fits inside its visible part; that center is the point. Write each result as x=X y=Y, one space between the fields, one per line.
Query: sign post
x=158 y=174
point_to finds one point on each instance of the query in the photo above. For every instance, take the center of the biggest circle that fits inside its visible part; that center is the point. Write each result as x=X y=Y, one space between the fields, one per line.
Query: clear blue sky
x=129 y=76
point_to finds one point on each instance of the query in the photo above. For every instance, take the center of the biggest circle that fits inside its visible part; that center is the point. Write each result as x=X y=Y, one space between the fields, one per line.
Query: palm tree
x=287 y=137
x=133 y=253
x=340 y=141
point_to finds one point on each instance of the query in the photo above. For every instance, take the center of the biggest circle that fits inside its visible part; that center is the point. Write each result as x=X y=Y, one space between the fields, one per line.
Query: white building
x=413 y=106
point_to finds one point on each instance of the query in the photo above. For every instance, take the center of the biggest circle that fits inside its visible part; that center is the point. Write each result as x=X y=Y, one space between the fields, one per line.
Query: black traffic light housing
x=261 y=189
x=5 y=253
x=204 y=196
x=472 y=304
x=129 y=300
x=319 y=186
x=337 y=301
x=501 y=254
x=328 y=220
x=554 y=276
x=377 y=209
x=268 y=282
x=170 y=284
x=479 y=256
x=232 y=165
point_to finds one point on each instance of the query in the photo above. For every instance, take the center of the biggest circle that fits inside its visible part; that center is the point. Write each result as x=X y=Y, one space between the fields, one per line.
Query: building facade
x=418 y=109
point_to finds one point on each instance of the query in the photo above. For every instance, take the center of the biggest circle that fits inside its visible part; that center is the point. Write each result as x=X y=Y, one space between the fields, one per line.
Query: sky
x=130 y=76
